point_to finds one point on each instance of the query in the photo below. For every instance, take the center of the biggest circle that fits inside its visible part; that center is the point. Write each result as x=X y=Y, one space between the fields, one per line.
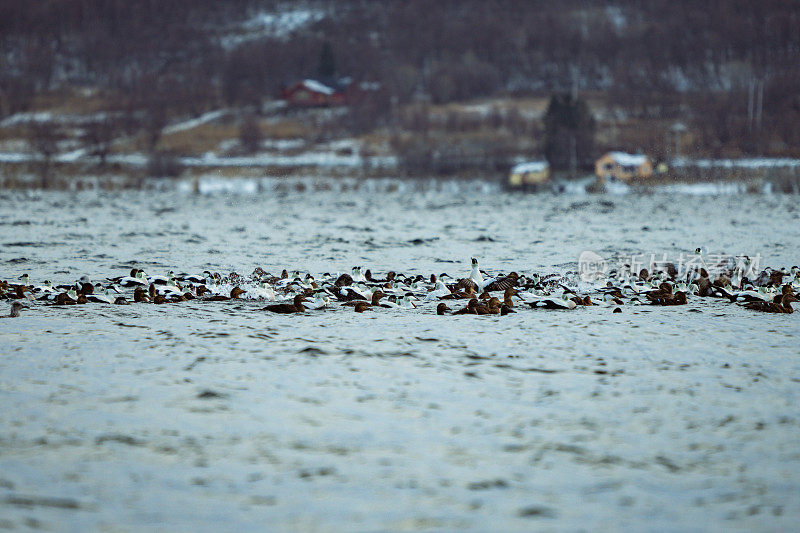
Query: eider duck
x=348 y=294
x=192 y=278
x=286 y=308
x=508 y=293
x=438 y=292
x=64 y=298
x=374 y=301
x=319 y=302
x=104 y=297
x=504 y=283
x=233 y=295
x=16 y=307
x=19 y=293
x=361 y=306
x=476 y=276
x=263 y=292
x=785 y=306
x=679 y=298
x=25 y=279
x=492 y=307
x=545 y=302
x=357 y=276
x=389 y=277
x=139 y=295
x=464 y=291
x=344 y=280
x=45 y=289
x=470 y=309
x=134 y=280
x=406 y=301
x=163 y=280
x=85 y=286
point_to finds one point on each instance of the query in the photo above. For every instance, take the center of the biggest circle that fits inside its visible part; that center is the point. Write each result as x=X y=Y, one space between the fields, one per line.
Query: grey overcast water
x=207 y=416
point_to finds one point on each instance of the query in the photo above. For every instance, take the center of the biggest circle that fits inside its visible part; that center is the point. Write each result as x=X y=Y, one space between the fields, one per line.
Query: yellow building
x=532 y=173
x=623 y=166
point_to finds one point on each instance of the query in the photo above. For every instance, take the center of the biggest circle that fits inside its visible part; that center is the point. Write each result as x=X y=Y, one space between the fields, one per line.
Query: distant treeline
x=729 y=65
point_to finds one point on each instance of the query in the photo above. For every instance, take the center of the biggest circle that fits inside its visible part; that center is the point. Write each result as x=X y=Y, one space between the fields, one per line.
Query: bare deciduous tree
x=43 y=138
x=99 y=135
x=250 y=135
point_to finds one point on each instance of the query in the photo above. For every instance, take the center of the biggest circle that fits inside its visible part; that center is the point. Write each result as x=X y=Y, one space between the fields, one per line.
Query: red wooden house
x=312 y=93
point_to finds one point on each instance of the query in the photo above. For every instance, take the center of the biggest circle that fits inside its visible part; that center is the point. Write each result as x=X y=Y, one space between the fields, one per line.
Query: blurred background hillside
x=427 y=88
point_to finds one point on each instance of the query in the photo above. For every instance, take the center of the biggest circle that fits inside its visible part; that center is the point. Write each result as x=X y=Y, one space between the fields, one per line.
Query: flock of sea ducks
x=771 y=291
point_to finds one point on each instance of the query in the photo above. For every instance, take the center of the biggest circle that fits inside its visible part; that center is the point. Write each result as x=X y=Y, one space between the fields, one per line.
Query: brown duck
x=679 y=298
x=368 y=276
x=507 y=294
x=65 y=299
x=586 y=300
x=139 y=295
x=234 y=294
x=376 y=300
x=16 y=306
x=704 y=287
x=492 y=307
x=504 y=283
x=361 y=306
x=286 y=308
x=786 y=289
x=468 y=292
x=664 y=291
x=343 y=281
x=19 y=292
x=85 y=288
x=470 y=309
x=771 y=307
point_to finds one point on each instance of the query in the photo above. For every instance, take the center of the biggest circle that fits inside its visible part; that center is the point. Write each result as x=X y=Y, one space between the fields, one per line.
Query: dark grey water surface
x=208 y=416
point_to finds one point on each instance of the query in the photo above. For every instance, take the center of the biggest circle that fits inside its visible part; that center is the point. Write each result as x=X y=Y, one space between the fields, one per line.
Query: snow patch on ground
x=321 y=159
x=283 y=23
x=195 y=122
x=23 y=118
x=283 y=144
x=278 y=24
x=41 y=117
x=754 y=162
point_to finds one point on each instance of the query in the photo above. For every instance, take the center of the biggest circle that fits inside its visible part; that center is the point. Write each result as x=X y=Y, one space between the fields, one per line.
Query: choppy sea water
x=207 y=416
